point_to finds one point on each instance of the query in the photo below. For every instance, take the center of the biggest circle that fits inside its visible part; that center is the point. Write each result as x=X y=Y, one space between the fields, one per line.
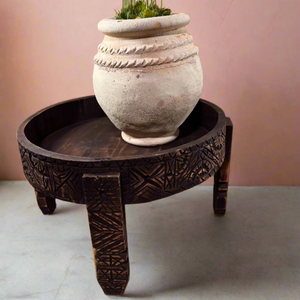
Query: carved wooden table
x=71 y=151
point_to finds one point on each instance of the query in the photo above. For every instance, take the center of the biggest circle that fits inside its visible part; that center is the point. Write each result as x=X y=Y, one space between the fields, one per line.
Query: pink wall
x=249 y=52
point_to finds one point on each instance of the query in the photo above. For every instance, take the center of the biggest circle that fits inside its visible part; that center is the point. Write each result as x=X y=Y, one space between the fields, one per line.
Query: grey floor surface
x=178 y=248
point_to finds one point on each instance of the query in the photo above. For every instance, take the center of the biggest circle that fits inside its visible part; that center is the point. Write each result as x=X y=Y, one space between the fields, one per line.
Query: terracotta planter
x=147 y=77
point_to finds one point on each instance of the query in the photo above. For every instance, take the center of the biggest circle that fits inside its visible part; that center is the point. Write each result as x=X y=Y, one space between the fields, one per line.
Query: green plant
x=133 y=9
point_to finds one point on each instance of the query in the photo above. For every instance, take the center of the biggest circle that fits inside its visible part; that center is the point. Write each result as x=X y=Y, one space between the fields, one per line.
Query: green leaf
x=148 y=13
x=139 y=7
x=132 y=9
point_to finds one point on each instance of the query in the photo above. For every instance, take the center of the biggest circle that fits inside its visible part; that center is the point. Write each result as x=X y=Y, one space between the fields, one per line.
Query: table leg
x=106 y=213
x=222 y=176
x=46 y=204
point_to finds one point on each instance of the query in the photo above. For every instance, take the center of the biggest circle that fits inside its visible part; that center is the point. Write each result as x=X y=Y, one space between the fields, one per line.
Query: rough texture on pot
x=147 y=77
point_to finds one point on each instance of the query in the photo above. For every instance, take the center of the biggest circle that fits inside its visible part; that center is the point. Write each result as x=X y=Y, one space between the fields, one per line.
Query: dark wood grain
x=72 y=152
x=55 y=157
x=46 y=204
x=221 y=178
x=106 y=213
x=99 y=138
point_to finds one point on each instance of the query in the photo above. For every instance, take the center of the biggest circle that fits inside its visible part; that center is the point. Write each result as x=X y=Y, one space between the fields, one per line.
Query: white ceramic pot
x=147 y=77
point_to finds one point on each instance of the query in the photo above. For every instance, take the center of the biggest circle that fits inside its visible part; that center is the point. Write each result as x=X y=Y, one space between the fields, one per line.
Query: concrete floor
x=178 y=248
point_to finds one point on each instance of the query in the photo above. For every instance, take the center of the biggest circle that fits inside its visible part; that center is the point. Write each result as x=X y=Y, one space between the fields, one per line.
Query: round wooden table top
x=61 y=143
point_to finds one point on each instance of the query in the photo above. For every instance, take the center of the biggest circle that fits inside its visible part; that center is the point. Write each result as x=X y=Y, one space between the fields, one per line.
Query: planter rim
x=137 y=28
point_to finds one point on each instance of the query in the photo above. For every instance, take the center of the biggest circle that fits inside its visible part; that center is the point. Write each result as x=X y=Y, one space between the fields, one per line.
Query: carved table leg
x=46 y=204
x=108 y=231
x=222 y=176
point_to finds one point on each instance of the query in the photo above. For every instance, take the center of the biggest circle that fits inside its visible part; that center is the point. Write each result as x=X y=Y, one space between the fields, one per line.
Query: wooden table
x=71 y=151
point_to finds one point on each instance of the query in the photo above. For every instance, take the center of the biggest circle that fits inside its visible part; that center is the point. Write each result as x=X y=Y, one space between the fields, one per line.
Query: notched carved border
x=181 y=40
x=111 y=57
x=143 y=62
x=142 y=180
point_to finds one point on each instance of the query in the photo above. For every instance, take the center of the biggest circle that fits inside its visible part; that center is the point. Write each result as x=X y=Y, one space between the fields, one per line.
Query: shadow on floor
x=185 y=246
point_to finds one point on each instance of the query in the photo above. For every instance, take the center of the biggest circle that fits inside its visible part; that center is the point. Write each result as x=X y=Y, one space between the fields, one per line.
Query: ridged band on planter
x=111 y=57
x=148 y=81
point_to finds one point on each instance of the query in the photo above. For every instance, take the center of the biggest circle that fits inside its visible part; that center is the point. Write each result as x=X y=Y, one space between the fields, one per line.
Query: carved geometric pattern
x=108 y=235
x=221 y=177
x=101 y=195
x=108 y=230
x=51 y=176
x=147 y=179
x=178 y=171
x=140 y=178
x=112 y=272
x=143 y=179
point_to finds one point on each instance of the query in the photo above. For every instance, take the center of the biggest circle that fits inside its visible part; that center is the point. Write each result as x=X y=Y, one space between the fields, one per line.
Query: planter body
x=147 y=77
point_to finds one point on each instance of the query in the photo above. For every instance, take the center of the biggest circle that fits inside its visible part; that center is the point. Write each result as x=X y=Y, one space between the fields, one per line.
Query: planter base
x=150 y=141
